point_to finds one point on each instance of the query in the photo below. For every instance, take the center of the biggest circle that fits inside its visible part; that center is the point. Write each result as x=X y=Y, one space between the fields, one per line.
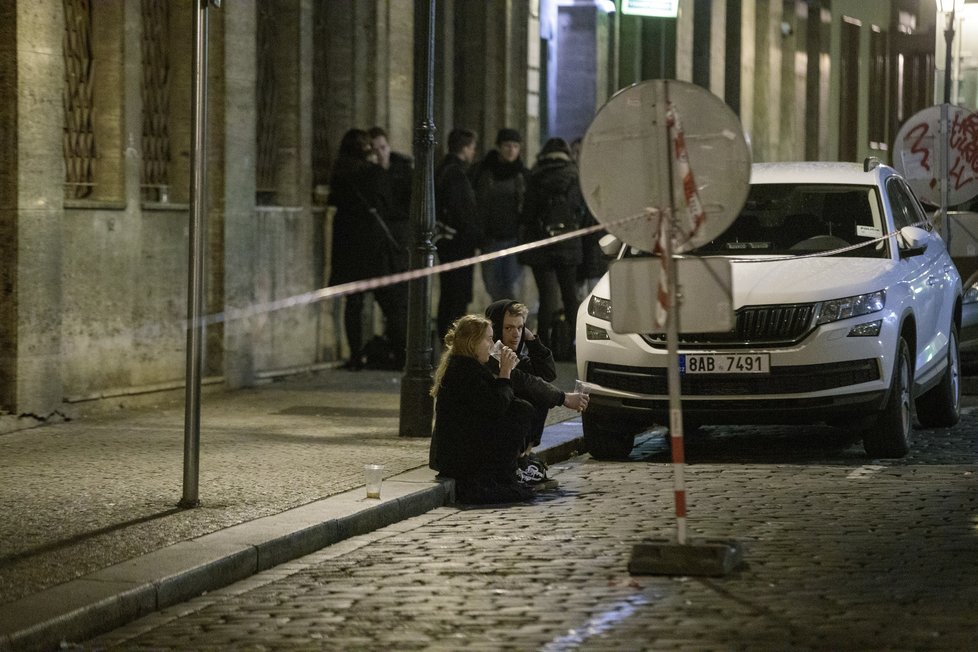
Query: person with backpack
x=554 y=205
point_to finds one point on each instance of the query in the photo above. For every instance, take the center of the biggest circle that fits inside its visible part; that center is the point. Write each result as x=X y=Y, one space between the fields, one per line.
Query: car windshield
x=797 y=219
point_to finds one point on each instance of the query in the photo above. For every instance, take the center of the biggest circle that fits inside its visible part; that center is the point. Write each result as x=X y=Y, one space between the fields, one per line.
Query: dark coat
x=473 y=436
x=400 y=176
x=361 y=249
x=455 y=206
x=500 y=188
x=554 y=174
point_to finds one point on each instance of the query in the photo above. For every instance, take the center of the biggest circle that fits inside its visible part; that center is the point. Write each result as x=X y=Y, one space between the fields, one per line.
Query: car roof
x=820 y=172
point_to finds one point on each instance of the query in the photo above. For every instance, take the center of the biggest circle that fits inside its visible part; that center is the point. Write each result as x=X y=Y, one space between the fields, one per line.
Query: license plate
x=725 y=363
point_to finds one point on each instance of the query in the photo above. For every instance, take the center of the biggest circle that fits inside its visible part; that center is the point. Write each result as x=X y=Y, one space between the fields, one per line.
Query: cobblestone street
x=841 y=553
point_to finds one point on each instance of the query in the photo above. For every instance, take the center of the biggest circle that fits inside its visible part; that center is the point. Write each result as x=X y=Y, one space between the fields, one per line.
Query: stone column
x=31 y=207
x=235 y=196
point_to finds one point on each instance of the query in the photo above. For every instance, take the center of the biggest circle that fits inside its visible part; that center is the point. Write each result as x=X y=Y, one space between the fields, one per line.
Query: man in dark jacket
x=462 y=232
x=533 y=374
x=500 y=185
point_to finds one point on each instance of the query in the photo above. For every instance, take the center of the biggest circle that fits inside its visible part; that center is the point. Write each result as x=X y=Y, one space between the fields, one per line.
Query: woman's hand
x=576 y=401
x=507 y=362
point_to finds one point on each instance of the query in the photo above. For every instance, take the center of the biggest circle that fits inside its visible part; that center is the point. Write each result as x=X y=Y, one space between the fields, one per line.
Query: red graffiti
x=916 y=147
x=964 y=143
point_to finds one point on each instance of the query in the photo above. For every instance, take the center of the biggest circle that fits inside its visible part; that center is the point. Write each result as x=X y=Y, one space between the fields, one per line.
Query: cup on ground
x=373 y=475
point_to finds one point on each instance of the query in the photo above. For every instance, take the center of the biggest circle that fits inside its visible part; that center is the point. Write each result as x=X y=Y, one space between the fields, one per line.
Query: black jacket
x=361 y=249
x=500 y=188
x=400 y=176
x=468 y=438
x=456 y=207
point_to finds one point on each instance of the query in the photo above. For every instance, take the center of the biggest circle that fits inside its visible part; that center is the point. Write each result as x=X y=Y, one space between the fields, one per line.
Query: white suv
x=860 y=338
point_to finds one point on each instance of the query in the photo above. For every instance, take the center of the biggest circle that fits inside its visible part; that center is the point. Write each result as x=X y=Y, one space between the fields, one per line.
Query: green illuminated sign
x=656 y=8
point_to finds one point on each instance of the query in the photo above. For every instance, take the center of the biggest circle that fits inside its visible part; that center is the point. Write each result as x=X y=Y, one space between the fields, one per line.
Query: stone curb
x=109 y=598
x=114 y=596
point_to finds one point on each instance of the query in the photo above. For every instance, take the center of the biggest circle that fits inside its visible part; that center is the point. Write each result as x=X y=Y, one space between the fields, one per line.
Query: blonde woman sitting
x=480 y=427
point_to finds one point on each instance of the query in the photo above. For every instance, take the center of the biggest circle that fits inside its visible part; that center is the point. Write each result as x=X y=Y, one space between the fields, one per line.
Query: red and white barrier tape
x=364 y=285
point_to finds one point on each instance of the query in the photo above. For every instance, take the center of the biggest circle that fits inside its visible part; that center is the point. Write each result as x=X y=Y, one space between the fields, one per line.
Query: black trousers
x=556 y=284
x=393 y=303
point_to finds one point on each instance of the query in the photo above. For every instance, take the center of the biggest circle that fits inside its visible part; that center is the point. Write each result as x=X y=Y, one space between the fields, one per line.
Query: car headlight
x=863 y=304
x=600 y=308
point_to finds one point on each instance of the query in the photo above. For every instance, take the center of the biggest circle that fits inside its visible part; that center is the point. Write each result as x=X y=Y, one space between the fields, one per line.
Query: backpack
x=561 y=214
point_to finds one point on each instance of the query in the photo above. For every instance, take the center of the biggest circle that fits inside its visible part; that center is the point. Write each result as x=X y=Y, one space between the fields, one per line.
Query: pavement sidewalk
x=91 y=535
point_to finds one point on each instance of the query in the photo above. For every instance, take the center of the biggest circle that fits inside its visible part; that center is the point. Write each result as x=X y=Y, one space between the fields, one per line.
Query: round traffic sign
x=917 y=151
x=634 y=157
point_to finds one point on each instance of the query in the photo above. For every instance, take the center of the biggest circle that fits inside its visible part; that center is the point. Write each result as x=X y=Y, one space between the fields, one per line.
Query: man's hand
x=528 y=334
x=576 y=401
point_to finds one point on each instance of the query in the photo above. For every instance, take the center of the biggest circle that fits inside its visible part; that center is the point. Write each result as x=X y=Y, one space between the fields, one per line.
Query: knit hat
x=508 y=136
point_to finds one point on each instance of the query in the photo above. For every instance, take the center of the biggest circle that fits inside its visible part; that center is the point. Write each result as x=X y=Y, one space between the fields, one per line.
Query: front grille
x=780 y=325
x=782 y=380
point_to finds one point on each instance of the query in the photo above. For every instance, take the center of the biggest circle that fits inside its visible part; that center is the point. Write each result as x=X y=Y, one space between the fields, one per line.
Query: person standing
x=399 y=173
x=362 y=245
x=500 y=186
x=400 y=177
x=553 y=206
x=459 y=222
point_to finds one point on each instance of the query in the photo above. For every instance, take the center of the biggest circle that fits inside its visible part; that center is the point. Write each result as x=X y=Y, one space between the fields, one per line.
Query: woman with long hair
x=480 y=426
x=362 y=246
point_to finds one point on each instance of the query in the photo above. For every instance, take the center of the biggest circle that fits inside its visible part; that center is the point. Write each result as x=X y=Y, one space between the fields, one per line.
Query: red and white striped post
x=680 y=558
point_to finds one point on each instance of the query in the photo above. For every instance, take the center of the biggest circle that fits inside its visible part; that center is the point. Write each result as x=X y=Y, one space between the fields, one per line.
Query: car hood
x=792 y=280
x=765 y=281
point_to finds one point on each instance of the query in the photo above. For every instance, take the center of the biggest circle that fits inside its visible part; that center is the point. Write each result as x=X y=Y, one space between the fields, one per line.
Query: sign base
x=663 y=557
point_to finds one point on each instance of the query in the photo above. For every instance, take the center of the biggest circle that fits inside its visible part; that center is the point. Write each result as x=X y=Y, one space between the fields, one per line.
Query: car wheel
x=940 y=407
x=606 y=438
x=890 y=435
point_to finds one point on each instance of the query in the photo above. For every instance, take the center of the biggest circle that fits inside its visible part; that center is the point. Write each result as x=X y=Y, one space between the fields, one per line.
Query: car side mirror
x=912 y=241
x=610 y=245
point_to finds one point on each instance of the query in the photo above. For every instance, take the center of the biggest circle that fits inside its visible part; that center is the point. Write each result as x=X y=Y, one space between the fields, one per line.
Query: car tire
x=605 y=438
x=890 y=435
x=940 y=407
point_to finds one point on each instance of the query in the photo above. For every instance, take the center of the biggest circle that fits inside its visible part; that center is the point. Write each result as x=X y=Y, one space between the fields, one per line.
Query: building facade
x=96 y=143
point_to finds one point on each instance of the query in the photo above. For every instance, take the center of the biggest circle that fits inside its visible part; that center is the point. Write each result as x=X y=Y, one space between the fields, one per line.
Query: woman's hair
x=354 y=149
x=461 y=339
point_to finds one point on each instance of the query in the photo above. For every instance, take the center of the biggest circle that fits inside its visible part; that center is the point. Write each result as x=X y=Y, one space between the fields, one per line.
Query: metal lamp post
x=416 y=403
x=948 y=7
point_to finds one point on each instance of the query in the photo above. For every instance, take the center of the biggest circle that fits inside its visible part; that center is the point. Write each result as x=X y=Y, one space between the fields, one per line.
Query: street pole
x=417 y=406
x=946 y=130
x=195 y=281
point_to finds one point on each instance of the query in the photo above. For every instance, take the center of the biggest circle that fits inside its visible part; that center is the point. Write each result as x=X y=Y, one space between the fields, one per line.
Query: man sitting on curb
x=531 y=378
